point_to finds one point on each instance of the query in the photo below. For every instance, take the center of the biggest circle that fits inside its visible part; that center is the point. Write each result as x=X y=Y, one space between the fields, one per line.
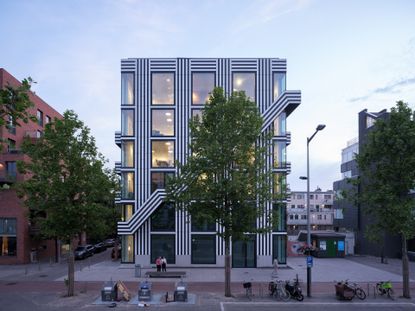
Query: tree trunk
x=71 y=271
x=227 y=267
x=405 y=269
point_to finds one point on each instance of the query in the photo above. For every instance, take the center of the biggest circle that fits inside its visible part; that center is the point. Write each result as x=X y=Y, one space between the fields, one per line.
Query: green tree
x=69 y=189
x=14 y=104
x=387 y=174
x=224 y=180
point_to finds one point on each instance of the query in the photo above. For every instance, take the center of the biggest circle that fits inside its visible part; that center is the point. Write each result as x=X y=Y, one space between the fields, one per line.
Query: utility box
x=109 y=292
x=144 y=291
x=137 y=271
x=180 y=293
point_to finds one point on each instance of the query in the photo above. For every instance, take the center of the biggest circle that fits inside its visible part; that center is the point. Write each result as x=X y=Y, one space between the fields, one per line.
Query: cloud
x=391 y=88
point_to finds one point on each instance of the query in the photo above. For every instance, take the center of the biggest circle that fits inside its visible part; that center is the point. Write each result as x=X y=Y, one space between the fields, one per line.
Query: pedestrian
x=163 y=264
x=275 y=265
x=158 y=264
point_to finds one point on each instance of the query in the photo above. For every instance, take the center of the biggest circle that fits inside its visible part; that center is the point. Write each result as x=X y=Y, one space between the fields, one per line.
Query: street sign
x=309 y=261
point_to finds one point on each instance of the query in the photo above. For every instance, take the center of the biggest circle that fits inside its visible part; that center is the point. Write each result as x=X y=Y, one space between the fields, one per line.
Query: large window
x=162 y=153
x=127 y=186
x=127 y=250
x=127 y=122
x=8 y=236
x=163 y=218
x=159 y=180
x=202 y=85
x=163 y=245
x=280 y=155
x=244 y=253
x=198 y=113
x=39 y=116
x=203 y=249
x=127 y=211
x=244 y=81
x=280 y=125
x=127 y=89
x=162 y=89
x=162 y=122
x=11 y=169
x=11 y=126
x=127 y=154
x=203 y=226
x=280 y=183
x=279 y=248
x=280 y=209
x=279 y=84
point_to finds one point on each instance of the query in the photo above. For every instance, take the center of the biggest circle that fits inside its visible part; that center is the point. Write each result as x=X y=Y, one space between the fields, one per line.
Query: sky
x=344 y=56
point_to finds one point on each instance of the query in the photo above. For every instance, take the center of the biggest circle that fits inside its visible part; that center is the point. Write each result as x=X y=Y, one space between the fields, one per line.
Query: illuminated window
x=127 y=186
x=244 y=81
x=280 y=124
x=8 y=237
x=162 y=153
x=280 y=155
x=127 y=89
x=127 y=122
x=280 y=183
x=162 y=89
x=159 y=180
x=162 y=122
x=127 y=154
x=279 y=84
x=127 y=212
x=202 y=85
x=127 y=249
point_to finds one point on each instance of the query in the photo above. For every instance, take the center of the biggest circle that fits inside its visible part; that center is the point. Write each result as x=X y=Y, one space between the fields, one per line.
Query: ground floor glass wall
x=163 y=245
x=127 y=250
x=279 y=248
x=203 y=249
x=244 y=253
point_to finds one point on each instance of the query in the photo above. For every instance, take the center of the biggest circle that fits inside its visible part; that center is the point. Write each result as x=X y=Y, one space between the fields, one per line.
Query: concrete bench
x=169 y=274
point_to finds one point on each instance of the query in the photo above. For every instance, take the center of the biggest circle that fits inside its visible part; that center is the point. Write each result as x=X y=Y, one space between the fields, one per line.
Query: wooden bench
x=168 y=274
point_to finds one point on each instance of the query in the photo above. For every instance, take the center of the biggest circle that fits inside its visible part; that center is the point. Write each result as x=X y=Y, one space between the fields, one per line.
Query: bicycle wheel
x=391 y=293
x=360 y=293
x=379 y=290
x=300 y=297
x=284 y=294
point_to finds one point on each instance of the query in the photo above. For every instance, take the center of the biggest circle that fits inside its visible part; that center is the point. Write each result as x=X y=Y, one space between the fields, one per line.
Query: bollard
x=50 y=261
x=25 y=270
x=39 y=267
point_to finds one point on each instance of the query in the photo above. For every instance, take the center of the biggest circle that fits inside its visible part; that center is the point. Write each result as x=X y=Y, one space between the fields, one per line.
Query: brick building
x=17 y=237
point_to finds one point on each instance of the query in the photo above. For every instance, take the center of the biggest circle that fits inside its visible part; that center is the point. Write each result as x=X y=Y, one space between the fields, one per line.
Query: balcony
x=288 y=135
x=118 y=138
x=118 y=167
x=283 y=166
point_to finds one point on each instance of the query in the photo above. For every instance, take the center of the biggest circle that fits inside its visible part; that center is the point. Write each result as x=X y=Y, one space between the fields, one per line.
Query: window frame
x=273 y=83
x=191 y=86
x=151 y=121
x=213 y=250
x=255 y=81
x=174 y=153
x=122 y=151
x=133 y=122
x=174 y=88
x=133 y=74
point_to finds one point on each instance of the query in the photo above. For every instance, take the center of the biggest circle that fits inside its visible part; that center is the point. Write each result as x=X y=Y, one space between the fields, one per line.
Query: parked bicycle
x=277 y=289
x=347 y=291
x=248 y=289
x=385 y=288
x=357 y=290
x=294 y=289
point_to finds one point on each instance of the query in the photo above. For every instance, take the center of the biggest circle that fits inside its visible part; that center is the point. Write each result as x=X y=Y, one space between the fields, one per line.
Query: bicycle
x=248 y=289
x=385 y=288
x=357 y=290
x=277 y=289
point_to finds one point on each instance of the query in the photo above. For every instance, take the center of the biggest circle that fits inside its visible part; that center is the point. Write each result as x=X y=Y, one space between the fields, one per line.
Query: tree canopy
x=69 y=190
x=224 y=180
x=387 y=175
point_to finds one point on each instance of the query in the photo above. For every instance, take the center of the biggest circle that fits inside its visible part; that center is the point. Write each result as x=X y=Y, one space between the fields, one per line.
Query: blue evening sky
x=344 y=56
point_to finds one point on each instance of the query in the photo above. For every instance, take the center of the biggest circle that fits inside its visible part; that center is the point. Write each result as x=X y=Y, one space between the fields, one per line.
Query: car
x=109 y=242
x=91 y=249
x=81 y=252
x=99 y=247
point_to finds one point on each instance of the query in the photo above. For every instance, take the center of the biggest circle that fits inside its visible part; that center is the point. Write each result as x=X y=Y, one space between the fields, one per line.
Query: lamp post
x=319 y=128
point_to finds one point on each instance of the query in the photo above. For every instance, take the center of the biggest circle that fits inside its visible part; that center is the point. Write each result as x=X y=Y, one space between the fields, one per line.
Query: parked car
x=99 y=247
x=109 y=242
x=82 y=252
x=91 y=249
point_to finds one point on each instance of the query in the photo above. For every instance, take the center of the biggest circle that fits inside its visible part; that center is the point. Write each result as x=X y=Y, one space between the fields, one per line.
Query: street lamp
x=319 y=128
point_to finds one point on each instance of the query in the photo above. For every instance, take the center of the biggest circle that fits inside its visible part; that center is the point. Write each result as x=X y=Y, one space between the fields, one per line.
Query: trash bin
x=180 y=293
x=137 y=271
x=109 y=292
x=144 y=291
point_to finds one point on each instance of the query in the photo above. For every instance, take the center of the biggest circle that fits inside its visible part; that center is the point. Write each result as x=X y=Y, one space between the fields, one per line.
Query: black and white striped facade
x=145 y=202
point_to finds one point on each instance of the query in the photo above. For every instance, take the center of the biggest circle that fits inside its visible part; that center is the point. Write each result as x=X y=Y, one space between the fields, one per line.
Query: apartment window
x=280 y=124
x=203 y=249
x=127 y=122
x=127 y=88
x=47 y=119
x=202 y=85
x=292 y=205
x=162 y=122
x=327 y=197
x=11 y=145
x=8 y=237
x=280 y=183
x=311 y=196
x=279 y=248
x=198 y=113
x=280 y=209
x=127 y=211
x=244 y=81
x=162 y=89
x=127 y=185
x=317 y=207
x=11 y=169
x=163 y=219
x=300 y=196
x=39 y=134
x=39 y=116
x=280 y=156
x=203 y=226
x=303 y=217
x=296 y=217
x=159 y=180
x=127 y=249
x=319 y=217
x=163 y=245
x=162 y=153
x=279 y=84
x=127 y=154
x=291 y=217
x=11 y=126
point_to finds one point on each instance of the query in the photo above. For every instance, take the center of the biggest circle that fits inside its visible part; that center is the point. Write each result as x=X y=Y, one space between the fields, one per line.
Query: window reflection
x=279 y=84
x=127 y=185
x=162 y=153
x=280 y=183
x=162 y=88
x=127 y=212
x=127 y=248
x=127 y=89
x=197 y=112
x=280 y=125
x=127 y=122
x=280 y=155
x=127 y=154
x=162 y=122
x=202 y=85
x=244 y=81
x=159 y=180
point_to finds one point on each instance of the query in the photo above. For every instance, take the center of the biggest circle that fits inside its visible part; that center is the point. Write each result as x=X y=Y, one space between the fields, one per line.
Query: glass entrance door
x=244 y=253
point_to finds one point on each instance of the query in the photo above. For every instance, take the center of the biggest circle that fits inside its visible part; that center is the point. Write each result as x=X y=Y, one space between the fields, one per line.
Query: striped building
x=158 y=98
